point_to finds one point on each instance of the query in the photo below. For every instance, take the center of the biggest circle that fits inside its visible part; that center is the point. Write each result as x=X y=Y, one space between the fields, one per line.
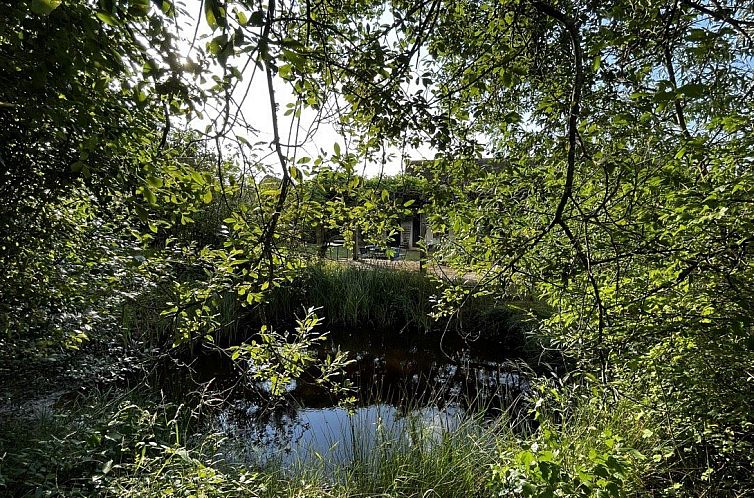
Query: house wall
x=413 y=230
x=416 y=231
x=407 y=228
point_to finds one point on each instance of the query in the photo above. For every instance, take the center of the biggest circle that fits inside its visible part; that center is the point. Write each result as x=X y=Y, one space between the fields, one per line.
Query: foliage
x=347 y=206
x=174 y=470
x=618 y=194
x=71 y=453
x=78 y=132
x=278 y=359
x=585 y=445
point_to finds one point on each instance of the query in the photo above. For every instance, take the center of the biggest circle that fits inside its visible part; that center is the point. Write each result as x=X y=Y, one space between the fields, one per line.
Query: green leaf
x=591 y=377
x=154 y=182
x=149 y=196
x=139 y=8
x=295 y=173
x=295 y=59
x=44 y=7
x=257 y=18
x=693 y=90
x=141 y=213
x=198 y=178
x=285 y=72
x=107 y=18
x=217 y=44
x=167 y=7
x=597 y=63
x=212 y=14
x=507 y=79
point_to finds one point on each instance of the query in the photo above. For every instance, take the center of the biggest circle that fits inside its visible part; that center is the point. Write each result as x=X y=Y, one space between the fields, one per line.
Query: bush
x=586 y=445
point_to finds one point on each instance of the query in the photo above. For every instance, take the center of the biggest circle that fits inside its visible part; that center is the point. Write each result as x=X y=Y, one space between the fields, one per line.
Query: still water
x=406 y=387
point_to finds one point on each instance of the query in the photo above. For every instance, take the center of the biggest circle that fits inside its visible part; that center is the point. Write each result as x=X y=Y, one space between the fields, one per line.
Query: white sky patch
x=308 y=135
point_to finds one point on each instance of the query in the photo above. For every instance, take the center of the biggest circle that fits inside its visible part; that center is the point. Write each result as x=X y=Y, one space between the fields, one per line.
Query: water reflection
x=408 y=390
x=333 y=436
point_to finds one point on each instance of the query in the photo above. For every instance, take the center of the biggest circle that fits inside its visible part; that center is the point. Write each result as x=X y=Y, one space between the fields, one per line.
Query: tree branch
x=680 y=118
x=737 y=24
x=268 y=234
x=572 y=29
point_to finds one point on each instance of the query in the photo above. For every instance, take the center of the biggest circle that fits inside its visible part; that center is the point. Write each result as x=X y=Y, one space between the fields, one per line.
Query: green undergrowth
x=377 y=298
x=587 y=444
x=135 y=444
x=346 y=296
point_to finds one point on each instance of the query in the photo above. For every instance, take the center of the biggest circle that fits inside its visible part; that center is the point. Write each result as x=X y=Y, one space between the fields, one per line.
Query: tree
x=79 y=129
x=624 y=196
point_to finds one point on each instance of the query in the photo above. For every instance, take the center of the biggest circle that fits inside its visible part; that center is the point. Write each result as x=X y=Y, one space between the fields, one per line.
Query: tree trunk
x=356 y=238
x=321 y=243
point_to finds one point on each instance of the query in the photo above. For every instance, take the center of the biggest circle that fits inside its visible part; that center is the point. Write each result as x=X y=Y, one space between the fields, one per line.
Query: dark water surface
x=405 y=386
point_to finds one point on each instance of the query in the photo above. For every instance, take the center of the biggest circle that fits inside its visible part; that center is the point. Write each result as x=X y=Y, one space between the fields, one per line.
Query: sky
x=256 y=112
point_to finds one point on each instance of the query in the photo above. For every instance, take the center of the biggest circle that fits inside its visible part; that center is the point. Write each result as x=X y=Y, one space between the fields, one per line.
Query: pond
x=405 y=386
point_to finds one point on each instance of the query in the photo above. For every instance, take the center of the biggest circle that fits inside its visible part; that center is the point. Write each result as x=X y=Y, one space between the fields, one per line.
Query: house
x=415 y=227
x=416 y=232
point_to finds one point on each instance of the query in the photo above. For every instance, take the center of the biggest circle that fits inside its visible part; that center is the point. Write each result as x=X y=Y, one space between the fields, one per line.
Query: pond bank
x=357 y=296
x=423 y=390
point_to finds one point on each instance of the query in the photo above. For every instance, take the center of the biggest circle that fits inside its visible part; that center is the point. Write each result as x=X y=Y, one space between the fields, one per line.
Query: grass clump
x=379 y=298
x=352 y=296
x=581 y=444
x=357 y=297
x=425 y=464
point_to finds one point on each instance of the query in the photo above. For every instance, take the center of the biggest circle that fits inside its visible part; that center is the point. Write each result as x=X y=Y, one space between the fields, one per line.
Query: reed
x=410 y=459
x=381 y=298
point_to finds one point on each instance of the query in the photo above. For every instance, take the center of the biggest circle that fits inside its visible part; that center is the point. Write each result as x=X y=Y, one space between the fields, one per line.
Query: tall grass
x=413 y=459
x=134 y=444
x=351 y=296
x=592 y=447
x=383 y=298
x=457 y=465
x=348 y=296
x=371 y=297
x=141 y=320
